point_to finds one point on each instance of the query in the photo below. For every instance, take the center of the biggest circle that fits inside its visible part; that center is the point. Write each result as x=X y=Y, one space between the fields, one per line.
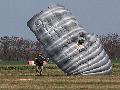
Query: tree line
x=111 y=44
x=18 y=48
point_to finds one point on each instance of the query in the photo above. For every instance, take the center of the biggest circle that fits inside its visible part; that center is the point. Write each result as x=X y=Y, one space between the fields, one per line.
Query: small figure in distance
x=39 y=61
x=81 y=41
x=81 y=44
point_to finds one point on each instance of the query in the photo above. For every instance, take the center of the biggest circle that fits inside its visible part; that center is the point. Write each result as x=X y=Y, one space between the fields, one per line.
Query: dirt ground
x=55 y=79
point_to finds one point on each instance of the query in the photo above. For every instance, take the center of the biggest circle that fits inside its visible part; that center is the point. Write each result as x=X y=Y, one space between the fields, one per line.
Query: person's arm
x=35 y=60
x=47 y=59
x=43 y=58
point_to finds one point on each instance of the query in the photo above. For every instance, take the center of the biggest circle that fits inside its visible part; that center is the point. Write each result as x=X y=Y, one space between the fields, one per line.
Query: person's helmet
x=39 y=53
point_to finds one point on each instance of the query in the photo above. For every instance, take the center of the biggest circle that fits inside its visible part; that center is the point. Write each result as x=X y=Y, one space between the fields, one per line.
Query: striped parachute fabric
x=74 y=50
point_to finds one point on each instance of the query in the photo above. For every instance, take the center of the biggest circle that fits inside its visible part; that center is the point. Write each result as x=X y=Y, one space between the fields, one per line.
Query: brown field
x=55 y=79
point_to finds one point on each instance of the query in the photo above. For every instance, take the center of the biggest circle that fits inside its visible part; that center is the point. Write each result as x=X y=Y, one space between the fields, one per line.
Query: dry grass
x=55 y=79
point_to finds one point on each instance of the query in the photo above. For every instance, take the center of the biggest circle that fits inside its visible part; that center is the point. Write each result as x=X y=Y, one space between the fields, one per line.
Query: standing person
x=39 y=60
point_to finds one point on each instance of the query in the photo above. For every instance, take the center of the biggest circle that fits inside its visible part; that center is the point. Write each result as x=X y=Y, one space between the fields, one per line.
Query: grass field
x=54 y=79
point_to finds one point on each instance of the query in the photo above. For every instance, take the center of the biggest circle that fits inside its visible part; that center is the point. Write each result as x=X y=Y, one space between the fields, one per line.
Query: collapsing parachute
x=73 y=49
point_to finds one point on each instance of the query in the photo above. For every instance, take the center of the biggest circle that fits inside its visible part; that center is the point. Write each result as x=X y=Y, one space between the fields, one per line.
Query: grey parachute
x=74 y=50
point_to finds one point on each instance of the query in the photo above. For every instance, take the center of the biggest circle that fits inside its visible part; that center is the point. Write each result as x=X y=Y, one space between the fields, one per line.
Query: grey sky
x=96 y=16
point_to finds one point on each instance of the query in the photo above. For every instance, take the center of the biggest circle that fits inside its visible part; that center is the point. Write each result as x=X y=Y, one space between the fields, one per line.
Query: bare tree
x=16 y=48
x=111 y=43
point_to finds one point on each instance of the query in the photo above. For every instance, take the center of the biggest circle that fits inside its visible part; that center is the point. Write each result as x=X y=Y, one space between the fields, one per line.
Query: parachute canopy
x=74 y=50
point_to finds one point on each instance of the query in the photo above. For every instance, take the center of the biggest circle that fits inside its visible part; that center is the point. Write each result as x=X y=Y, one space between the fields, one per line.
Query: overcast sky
x=96 y=16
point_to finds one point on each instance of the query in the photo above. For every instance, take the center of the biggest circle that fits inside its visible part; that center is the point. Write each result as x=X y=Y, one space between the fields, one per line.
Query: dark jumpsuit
x=39 y=64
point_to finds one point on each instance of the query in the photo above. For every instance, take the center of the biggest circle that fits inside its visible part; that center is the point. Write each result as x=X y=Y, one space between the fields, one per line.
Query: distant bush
x=17 y=67
x=6 y=62
x=25 y=67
